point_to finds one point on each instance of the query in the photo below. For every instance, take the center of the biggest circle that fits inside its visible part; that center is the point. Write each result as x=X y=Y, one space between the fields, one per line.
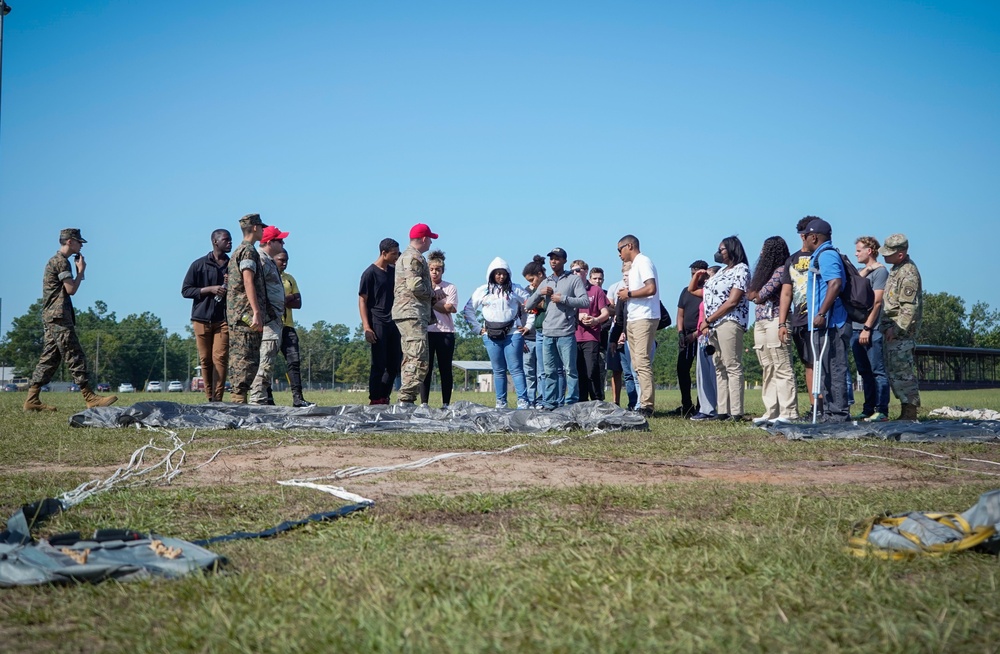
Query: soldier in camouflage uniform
x=60 y=342
x=272 y=243
x=411 y=311
x=246 y=304
x=902 y=311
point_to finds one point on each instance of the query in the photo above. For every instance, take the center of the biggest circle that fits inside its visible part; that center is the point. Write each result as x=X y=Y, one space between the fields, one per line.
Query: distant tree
x=944 y=321
x=984 y=326
x=23 y=345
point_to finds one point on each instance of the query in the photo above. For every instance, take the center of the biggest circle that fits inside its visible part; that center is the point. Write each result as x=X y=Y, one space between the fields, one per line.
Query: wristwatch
x=630 y=293
x=866 y=328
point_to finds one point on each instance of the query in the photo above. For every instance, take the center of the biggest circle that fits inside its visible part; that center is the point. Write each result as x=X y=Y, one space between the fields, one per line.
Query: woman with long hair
x=441 y=334
x=778 y=385
x=726 y=316
x=534 y=273
x=496 y=311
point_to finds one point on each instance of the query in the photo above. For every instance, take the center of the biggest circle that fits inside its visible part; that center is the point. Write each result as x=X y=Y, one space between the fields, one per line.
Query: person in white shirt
x=643 y=311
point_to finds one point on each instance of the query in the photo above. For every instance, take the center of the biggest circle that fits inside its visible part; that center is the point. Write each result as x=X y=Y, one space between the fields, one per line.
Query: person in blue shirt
x=827 y=321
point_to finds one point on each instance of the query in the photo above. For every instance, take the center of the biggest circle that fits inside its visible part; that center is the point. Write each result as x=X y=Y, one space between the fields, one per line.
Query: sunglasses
x=578 y=270
x=622 y=247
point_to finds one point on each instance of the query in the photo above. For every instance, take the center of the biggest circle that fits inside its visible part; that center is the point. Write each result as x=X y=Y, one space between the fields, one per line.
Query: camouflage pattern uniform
x=60 y=342
x=902 y=311
x=260 y=390
x=244 y=343
x=411 y=311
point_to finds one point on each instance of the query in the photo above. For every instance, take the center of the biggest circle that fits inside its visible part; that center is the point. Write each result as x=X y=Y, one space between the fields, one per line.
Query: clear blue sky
x=510 y=128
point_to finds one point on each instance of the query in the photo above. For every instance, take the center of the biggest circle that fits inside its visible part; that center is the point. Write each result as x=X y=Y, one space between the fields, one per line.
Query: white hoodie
x=494 y=306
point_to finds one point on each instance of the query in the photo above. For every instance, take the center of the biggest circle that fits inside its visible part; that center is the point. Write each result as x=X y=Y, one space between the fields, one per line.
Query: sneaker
x=877 y=417
x=302 y=404
x=698 y=417
x=644 y=412
x=862 y=416
x=410 y=405
x=777 y=422
x=722 y=417
x=523 y=404
x=761 y=422
x=501 y=405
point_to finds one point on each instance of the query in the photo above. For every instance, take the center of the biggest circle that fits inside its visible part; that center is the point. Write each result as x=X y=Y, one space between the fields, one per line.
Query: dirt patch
x=509 y=472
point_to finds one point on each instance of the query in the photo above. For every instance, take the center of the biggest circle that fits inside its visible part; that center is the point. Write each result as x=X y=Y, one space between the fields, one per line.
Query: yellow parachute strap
x=858 y=544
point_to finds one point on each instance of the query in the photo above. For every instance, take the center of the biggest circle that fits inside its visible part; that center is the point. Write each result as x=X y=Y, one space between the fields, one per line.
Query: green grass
x=680 y=565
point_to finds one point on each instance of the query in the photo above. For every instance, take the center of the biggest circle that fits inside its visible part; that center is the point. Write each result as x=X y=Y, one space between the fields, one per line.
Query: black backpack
x=857 y=294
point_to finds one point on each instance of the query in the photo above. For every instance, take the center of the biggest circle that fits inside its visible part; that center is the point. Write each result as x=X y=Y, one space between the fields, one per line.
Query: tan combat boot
x=34 y=402
x=908 y=412
x=95 y=400
x=236 y=398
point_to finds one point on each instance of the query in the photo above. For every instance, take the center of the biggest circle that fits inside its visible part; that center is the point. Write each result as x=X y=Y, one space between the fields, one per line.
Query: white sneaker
x=761 y=422
x=523 y=404
x=501 y=405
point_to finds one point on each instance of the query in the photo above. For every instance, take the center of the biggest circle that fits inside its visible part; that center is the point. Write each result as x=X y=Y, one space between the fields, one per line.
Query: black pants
x=589 y=370
x=387 y=357
x=293 y=360
x=686 y=355
x=442 y=346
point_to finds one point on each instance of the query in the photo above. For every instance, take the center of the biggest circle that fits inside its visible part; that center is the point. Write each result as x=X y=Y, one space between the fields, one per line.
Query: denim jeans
x=559 y=350
x=833 y=375
x=532 y=371
x=628 y=378
x=507 y=355
x=871 y=367
x=540 y=369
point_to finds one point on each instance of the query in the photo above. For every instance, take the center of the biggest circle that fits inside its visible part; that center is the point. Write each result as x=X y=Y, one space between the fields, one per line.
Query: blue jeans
x=540 y=369
x=871 y=367
x=628 y=378
x=507 y=355
x=531 y=371
x=559 y=351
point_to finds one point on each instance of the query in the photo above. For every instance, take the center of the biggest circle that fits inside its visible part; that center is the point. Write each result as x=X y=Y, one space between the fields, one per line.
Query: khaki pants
x=778 y=386
x=728 y=341
x=212 y=340
x=641 y=334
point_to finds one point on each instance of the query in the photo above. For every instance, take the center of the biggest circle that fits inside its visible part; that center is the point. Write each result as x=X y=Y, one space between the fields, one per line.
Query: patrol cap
x=558 y=253
x=819 y=226
x=893 y=244
x=421 y=230
x=251 y=219
x=71 y=233
x=272 y=233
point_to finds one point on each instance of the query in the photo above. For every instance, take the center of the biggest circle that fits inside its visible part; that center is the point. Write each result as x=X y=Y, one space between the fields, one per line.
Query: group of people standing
x=241 y=314
x=800 y=306
x=551 y=337
x=557 y=336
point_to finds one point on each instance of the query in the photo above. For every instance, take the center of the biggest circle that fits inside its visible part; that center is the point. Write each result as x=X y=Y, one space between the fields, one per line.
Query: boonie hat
x=893 y=244
x=819 y=226
x=558 y=253
x=271 y=233
x=71 y=233
x=251 y=219
x=421 y=230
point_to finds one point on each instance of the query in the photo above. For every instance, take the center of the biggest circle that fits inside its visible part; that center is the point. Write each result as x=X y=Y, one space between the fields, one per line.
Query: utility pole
x=309 y=367
x=333 y=372
x=97 y=360
x=164 y=353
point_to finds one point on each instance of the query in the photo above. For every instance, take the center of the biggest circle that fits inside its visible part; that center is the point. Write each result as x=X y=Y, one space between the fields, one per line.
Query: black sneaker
x=722 y=417
x=301 y=403
x=644 y=412
x=698 y=417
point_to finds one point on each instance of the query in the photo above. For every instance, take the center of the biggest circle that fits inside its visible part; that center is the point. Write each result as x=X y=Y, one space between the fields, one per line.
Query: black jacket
x=205 y=272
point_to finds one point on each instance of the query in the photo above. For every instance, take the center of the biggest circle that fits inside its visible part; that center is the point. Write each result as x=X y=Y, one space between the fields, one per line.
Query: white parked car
x=175 y=387
x=154 y=387
x=126 y=387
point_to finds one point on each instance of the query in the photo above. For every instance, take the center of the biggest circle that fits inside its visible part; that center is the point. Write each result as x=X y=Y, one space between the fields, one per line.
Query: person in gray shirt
x=866 y=341
x=564 y=296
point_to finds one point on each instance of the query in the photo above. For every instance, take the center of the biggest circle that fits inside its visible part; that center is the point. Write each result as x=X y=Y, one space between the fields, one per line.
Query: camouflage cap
x=251 y=219
x=71 y=232
x=893 y=244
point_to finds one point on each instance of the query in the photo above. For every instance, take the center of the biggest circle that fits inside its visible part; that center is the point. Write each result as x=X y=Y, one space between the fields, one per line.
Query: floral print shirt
x=718 y=289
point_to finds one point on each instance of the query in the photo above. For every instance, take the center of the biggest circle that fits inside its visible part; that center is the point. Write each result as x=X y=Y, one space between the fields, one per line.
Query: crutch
x=817 y=361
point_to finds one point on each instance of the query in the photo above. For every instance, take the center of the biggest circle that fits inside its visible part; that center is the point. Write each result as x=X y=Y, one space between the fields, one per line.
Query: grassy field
x=676 y=546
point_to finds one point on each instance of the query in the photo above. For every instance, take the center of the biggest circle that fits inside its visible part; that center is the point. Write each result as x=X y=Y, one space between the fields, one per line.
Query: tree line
x=137 y=348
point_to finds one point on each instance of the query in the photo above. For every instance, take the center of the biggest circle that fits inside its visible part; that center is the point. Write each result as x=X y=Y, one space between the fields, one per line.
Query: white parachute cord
x=336 y=491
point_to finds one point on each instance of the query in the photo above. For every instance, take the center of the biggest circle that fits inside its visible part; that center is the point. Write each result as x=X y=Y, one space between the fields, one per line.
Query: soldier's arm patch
x=908 y=291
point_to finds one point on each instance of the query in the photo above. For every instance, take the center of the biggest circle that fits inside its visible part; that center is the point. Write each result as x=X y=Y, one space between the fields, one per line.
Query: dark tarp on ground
x=905 y=431
x=463 y=416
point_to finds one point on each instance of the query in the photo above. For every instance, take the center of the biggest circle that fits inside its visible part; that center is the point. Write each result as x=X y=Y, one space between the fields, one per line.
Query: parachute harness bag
x=905 y=536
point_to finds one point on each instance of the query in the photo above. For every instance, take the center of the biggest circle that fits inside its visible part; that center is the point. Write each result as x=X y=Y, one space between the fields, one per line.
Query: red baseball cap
x=421 y=230
x=271 y=233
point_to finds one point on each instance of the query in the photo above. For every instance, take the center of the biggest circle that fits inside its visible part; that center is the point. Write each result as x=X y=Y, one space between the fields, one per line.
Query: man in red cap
x=411 y=311
x=272 y=243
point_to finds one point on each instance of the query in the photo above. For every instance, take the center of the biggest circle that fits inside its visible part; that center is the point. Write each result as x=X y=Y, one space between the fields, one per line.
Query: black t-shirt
x=796 y=273
x=377 y=285
x=690 y=303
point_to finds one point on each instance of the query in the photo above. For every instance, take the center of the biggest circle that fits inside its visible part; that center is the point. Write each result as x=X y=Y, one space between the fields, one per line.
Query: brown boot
x=908 y=412
x=236 y=398
x=95 y=400
x=34 y=402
